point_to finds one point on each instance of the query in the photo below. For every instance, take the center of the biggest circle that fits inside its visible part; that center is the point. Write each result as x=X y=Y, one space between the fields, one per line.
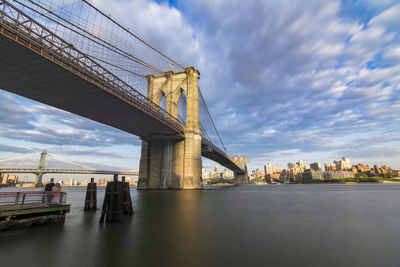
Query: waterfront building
x=131 y=181
x=217 y=175
x=362 y=167
x=301 y=164
x=311 y=174
x=375 y=171
x=259 y=173
x=269 y=169
x=346 y=163
x=339 y=165
x=343 y=165
x=316 y=166
x=102 y=182
x=205 y=174
x=291 y=174
x=330 y=167
x=275 y=176
x=338 y=174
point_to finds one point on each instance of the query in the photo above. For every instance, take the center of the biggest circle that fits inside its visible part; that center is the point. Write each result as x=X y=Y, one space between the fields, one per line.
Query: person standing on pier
x=56 y=194
x=48 y=189
x=49 y=186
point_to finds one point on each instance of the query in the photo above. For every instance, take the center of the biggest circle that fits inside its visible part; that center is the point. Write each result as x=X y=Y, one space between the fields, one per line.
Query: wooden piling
x=126 y=197
x=91 y=196
x=113 y=207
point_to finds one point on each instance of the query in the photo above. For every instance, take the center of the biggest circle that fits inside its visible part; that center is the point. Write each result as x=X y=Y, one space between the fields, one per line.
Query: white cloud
x=388 y=19
x=392 y=55
x=288 y=77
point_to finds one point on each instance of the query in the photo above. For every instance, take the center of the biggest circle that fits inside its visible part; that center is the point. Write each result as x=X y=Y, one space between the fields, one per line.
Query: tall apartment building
x=343 y=165
x=269 y=169
x=302 y=164
x=330 y=167
x=316 y=166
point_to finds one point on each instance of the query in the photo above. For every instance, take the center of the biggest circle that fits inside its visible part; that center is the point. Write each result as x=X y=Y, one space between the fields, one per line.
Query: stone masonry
x=173 y=163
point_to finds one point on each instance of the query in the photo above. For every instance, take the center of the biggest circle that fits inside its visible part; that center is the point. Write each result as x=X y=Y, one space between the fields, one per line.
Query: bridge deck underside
x=220 y=158
x=26 y=73
x=31 y=75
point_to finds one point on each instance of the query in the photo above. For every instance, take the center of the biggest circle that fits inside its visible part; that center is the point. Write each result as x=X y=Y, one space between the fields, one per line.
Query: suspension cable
x=71 y=162
x=205 y=104
x=109 y=46
x=20 y=157
x=132 y=34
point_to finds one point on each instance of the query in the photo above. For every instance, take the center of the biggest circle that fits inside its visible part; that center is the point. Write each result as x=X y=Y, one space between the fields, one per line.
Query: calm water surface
x=282 y=225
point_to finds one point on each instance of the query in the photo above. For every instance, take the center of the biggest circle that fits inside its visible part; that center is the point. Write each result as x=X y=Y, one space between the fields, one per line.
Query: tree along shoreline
x=350 y=180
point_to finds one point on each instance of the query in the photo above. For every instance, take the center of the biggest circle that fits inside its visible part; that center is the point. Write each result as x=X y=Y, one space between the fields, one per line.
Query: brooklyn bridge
x=76 y=58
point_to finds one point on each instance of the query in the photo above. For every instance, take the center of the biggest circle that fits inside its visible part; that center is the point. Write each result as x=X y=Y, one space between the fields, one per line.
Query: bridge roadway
x=43 y=171
x=45 y=68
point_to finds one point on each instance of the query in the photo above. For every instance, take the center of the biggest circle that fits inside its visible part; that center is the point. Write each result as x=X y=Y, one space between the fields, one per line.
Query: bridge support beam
x=168 y=163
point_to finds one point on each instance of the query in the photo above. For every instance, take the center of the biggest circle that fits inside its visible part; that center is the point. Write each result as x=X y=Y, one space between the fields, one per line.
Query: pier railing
x=28 y=199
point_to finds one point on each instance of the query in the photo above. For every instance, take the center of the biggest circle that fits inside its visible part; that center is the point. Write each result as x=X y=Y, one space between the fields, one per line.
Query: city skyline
x=336 y=92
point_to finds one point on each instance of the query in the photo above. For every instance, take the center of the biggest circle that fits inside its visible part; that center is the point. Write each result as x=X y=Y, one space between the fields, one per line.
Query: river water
x=273 y=225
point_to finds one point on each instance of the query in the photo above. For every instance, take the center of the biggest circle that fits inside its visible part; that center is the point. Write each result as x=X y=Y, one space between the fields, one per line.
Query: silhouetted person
x=57 y=194
x=47 y=190
x=49 y=186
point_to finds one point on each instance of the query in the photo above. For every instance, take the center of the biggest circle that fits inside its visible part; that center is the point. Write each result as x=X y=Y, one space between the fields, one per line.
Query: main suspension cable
x=205 y=104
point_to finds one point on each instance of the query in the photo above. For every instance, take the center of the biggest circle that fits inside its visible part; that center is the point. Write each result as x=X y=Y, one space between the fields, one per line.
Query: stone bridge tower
x=241 y=178
x=168 y=163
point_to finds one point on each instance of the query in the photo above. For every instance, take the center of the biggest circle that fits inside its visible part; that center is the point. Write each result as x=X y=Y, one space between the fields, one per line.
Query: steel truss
x=20 y=27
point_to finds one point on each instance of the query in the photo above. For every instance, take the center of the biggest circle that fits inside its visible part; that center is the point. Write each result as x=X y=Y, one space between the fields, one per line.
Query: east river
x=274 y=225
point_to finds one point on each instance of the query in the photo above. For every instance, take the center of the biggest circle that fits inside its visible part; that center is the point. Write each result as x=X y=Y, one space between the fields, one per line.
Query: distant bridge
x=43 y=171
x=40 y=170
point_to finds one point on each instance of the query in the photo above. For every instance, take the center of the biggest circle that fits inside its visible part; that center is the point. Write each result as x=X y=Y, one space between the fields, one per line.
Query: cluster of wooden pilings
x=117 y=200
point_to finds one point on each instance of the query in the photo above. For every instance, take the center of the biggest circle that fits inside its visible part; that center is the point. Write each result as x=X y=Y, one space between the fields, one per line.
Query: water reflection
x=311 y=225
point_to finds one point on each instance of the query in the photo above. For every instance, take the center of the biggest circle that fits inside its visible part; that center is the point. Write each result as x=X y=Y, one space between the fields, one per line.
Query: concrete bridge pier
x=173 y=162
x=241 y=178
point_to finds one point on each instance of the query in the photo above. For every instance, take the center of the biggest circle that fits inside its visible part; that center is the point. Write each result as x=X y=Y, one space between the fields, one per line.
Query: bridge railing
x=27 y=31
x=32 y=199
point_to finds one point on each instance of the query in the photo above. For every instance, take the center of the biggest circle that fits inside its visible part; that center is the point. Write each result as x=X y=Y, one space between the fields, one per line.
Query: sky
x=284 y=81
